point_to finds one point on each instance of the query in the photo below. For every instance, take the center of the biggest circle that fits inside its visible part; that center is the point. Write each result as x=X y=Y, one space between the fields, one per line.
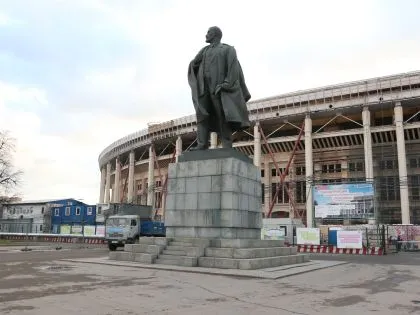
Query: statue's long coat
x=226 y=70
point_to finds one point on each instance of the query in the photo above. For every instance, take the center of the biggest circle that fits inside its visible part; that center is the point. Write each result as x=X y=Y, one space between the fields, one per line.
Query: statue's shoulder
x=227 y=46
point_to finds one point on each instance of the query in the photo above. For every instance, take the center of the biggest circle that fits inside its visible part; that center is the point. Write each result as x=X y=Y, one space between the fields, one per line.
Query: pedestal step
x=189 y=240
x=177 y=260
x=175 y=247
x=247 y=253
x=174 y=252
x=130 y=256
x=144 y=248
x=154 y=241
x=182 y=244
x=245 y=243
x=250 y=264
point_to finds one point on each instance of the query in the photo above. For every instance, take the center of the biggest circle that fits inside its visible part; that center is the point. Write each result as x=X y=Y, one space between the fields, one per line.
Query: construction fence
x=27 y=226
x=389 y=238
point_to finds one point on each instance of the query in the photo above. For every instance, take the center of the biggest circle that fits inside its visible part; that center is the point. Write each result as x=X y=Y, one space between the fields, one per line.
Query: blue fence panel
x=332 y=237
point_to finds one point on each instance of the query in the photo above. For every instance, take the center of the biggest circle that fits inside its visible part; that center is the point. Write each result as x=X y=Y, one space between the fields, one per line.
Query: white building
x=37 y=213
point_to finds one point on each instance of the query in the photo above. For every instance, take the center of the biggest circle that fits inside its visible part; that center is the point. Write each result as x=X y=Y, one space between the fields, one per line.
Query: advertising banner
x=349 y=239
x=100 y=230
x=89 y=230
x=343 y=200
x=272 y=234
x=308 y=236
x=76 y=229
x=65 y=229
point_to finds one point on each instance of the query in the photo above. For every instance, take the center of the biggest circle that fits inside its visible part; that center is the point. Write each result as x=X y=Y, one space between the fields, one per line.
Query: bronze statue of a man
x=218 y=91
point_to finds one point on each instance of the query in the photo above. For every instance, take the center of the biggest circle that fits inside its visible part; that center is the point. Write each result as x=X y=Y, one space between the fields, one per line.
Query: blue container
x=151 y=228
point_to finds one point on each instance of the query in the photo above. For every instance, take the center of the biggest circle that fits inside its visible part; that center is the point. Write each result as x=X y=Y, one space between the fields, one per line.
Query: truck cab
x=121 y=230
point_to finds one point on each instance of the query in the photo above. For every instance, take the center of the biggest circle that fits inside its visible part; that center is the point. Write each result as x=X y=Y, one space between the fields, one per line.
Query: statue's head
x=214 y=34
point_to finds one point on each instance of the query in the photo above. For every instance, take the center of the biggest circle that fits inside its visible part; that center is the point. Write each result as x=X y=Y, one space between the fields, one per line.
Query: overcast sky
x=76 y=75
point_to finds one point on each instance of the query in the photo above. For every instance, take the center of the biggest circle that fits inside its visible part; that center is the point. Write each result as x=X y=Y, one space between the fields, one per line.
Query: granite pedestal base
x=214 y=194
x=247 y=254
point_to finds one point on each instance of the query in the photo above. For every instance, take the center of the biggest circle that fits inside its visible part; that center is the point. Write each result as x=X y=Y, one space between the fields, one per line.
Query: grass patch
x=5 y=242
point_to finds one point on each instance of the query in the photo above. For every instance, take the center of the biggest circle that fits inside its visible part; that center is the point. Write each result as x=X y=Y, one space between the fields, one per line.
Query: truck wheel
x=112 y=247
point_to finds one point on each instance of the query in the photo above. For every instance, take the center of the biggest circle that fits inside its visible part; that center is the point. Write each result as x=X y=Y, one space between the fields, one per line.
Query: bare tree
x=9 y=176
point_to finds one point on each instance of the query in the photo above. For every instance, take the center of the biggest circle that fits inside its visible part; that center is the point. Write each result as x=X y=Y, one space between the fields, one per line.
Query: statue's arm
x=231 y=60
x=232 y=74
x=198 y=58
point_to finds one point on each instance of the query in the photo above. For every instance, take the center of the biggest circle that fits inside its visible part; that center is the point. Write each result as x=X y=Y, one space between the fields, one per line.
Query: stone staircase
x=249 y=254
x=245 y=254
x=183 y=252
x=146 y=251
x=250 y=258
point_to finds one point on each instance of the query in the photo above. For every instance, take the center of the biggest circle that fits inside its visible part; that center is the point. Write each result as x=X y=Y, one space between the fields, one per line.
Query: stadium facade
x=358 y=132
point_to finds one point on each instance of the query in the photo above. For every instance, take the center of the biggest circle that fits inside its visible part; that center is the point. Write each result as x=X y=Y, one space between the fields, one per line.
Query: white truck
x=127 y=228
x=122 y=229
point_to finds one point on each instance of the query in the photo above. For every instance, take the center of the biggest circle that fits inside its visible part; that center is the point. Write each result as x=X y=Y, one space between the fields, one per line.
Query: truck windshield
x=117 y=222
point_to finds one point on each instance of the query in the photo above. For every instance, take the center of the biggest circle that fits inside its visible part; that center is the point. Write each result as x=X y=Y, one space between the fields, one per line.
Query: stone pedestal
x=214 y=194
x=213 y=217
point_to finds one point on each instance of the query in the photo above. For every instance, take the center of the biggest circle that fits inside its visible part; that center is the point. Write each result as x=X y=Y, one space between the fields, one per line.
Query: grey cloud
x=59 y=43
x=56 y=43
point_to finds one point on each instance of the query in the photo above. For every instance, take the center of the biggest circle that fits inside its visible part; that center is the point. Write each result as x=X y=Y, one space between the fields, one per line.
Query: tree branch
x=9 y=176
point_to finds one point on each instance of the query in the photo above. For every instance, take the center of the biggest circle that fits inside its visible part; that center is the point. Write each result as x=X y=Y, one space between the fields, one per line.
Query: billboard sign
x=65 y=229
x=349 y=239
x=89 y=230
x=308 y=236
x=273 y=234
x=100 y=230
x=343 y=200
x=76 y=229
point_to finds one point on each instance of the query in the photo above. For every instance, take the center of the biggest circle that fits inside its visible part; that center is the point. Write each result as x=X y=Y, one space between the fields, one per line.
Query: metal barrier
x=373 y=235
x=404 y=237
x=53 y=238
x=390 y=238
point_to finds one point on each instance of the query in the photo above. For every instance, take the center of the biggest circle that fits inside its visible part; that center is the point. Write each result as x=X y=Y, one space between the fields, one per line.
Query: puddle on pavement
x=20 y=276
x=57 y=267
x=345 y=301
x=12 y=308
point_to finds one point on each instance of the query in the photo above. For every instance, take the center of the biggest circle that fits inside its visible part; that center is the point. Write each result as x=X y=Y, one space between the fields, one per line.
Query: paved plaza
x=41 y=282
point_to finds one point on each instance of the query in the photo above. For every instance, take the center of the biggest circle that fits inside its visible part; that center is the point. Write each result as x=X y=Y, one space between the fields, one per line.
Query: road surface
x=37 y=282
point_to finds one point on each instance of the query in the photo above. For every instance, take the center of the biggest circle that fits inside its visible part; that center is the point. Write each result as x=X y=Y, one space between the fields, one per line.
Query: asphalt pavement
x=39 y=282
x=402 y=258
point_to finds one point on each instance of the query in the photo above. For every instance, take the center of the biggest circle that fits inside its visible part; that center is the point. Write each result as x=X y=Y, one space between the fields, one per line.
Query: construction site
x=363 y=132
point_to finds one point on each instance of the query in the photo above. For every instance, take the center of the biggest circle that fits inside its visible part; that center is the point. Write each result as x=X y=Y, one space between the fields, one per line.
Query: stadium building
x=359 y=132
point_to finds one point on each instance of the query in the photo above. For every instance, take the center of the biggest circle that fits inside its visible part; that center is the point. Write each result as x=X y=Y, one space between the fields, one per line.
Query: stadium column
x=402 y=164
x=267 y=185
x=213 y=140
x=367 y=141
x=130 y=184
x=116 y=191
x=150 y=177
x=309 y=167
x=102 y=185
x=178 y=148
x=143 y=190
x=108 y=182
x=257 y=145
